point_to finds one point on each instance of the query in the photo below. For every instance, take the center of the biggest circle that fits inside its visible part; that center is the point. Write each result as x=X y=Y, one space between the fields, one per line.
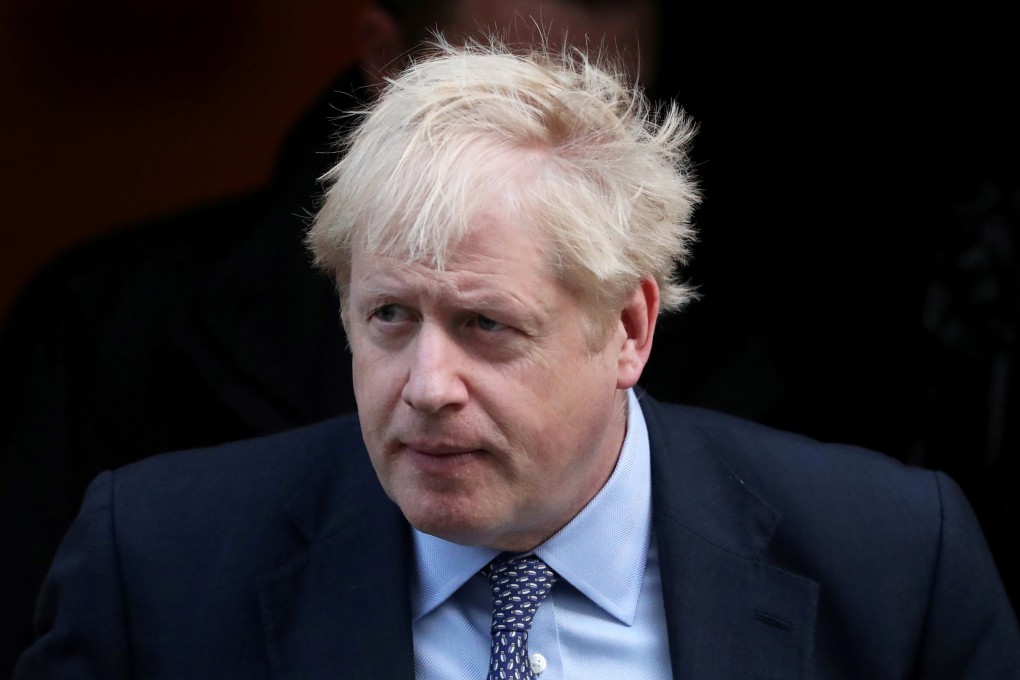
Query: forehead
x=500 y=269
x=496 y=246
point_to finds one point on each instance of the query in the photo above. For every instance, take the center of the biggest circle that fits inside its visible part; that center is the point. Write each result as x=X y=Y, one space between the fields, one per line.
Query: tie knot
x=519 y=585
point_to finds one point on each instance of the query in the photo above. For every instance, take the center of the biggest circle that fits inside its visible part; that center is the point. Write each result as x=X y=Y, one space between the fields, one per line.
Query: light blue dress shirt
x=605 y=617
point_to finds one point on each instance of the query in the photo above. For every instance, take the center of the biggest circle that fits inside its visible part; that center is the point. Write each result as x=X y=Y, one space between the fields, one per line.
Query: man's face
x=487 y=417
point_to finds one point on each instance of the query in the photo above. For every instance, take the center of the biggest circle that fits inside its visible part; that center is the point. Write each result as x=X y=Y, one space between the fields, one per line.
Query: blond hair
x=600 y=173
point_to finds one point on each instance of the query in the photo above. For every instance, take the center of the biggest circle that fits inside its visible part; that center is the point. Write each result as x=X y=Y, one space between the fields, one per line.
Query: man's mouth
x=438 y=457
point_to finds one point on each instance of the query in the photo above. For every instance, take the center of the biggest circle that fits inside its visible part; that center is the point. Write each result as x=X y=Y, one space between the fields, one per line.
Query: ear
x=637 y=318
x=380 y=45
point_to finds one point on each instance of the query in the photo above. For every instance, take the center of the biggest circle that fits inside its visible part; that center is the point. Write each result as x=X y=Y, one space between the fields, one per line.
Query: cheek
x=361 y=395
x=581 y=397
x=376 y=383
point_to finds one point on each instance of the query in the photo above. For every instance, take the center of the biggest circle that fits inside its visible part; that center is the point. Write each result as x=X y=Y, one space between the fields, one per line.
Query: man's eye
x=486 y=324
x=390 y=313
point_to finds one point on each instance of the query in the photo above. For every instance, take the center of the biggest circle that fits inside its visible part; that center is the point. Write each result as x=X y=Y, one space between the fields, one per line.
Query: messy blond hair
x=558 y=137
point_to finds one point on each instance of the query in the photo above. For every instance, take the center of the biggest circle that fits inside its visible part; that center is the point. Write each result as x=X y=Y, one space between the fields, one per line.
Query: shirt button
x=537 y=663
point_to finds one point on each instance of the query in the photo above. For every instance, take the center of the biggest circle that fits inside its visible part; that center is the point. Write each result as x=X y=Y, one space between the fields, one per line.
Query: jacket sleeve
x=80 y=617
x=971 y=630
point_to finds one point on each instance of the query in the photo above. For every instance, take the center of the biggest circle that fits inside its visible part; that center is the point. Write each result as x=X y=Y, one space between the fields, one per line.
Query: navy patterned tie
x=519 y=584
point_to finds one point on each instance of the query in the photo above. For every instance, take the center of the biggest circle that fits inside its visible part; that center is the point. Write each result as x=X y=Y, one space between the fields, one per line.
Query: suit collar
x=694 y=487
x=728 y=611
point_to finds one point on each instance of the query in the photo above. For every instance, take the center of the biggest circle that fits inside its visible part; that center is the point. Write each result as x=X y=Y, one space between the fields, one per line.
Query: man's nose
x=435 y=378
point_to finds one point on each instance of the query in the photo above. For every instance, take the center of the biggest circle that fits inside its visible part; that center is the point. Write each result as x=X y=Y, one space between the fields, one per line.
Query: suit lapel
x=729 y=613
x=342 y=608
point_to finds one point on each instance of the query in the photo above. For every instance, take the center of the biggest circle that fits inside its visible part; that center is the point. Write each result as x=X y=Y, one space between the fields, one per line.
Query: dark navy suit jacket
x=281 y=557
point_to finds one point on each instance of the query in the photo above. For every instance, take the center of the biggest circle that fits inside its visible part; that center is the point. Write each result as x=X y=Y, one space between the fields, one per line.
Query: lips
x=438 y=458
x=437 y=449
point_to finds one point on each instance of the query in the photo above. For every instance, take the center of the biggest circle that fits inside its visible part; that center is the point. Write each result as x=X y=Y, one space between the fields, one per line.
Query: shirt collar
x=601 y=552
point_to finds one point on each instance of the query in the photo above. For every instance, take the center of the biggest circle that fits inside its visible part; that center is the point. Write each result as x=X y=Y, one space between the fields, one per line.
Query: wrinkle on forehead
x=477 y=267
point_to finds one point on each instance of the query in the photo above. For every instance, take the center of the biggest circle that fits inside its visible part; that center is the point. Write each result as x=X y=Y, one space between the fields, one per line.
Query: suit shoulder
x=816 y=487
x=261 y=468
x=748 y=447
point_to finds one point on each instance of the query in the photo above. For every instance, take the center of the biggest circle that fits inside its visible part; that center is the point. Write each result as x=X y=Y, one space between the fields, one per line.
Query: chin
x=452 y=532
x=452 y=519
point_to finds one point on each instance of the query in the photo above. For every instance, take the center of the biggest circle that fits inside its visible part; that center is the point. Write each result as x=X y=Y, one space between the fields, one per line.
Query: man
x=503 y=231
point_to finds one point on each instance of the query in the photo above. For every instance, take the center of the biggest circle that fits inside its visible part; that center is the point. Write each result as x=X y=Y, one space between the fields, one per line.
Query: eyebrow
x=384 y=287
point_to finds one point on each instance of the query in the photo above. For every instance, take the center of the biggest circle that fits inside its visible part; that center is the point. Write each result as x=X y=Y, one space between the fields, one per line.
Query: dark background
x=862 y=219
x=859 y=171
x=113 y=111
